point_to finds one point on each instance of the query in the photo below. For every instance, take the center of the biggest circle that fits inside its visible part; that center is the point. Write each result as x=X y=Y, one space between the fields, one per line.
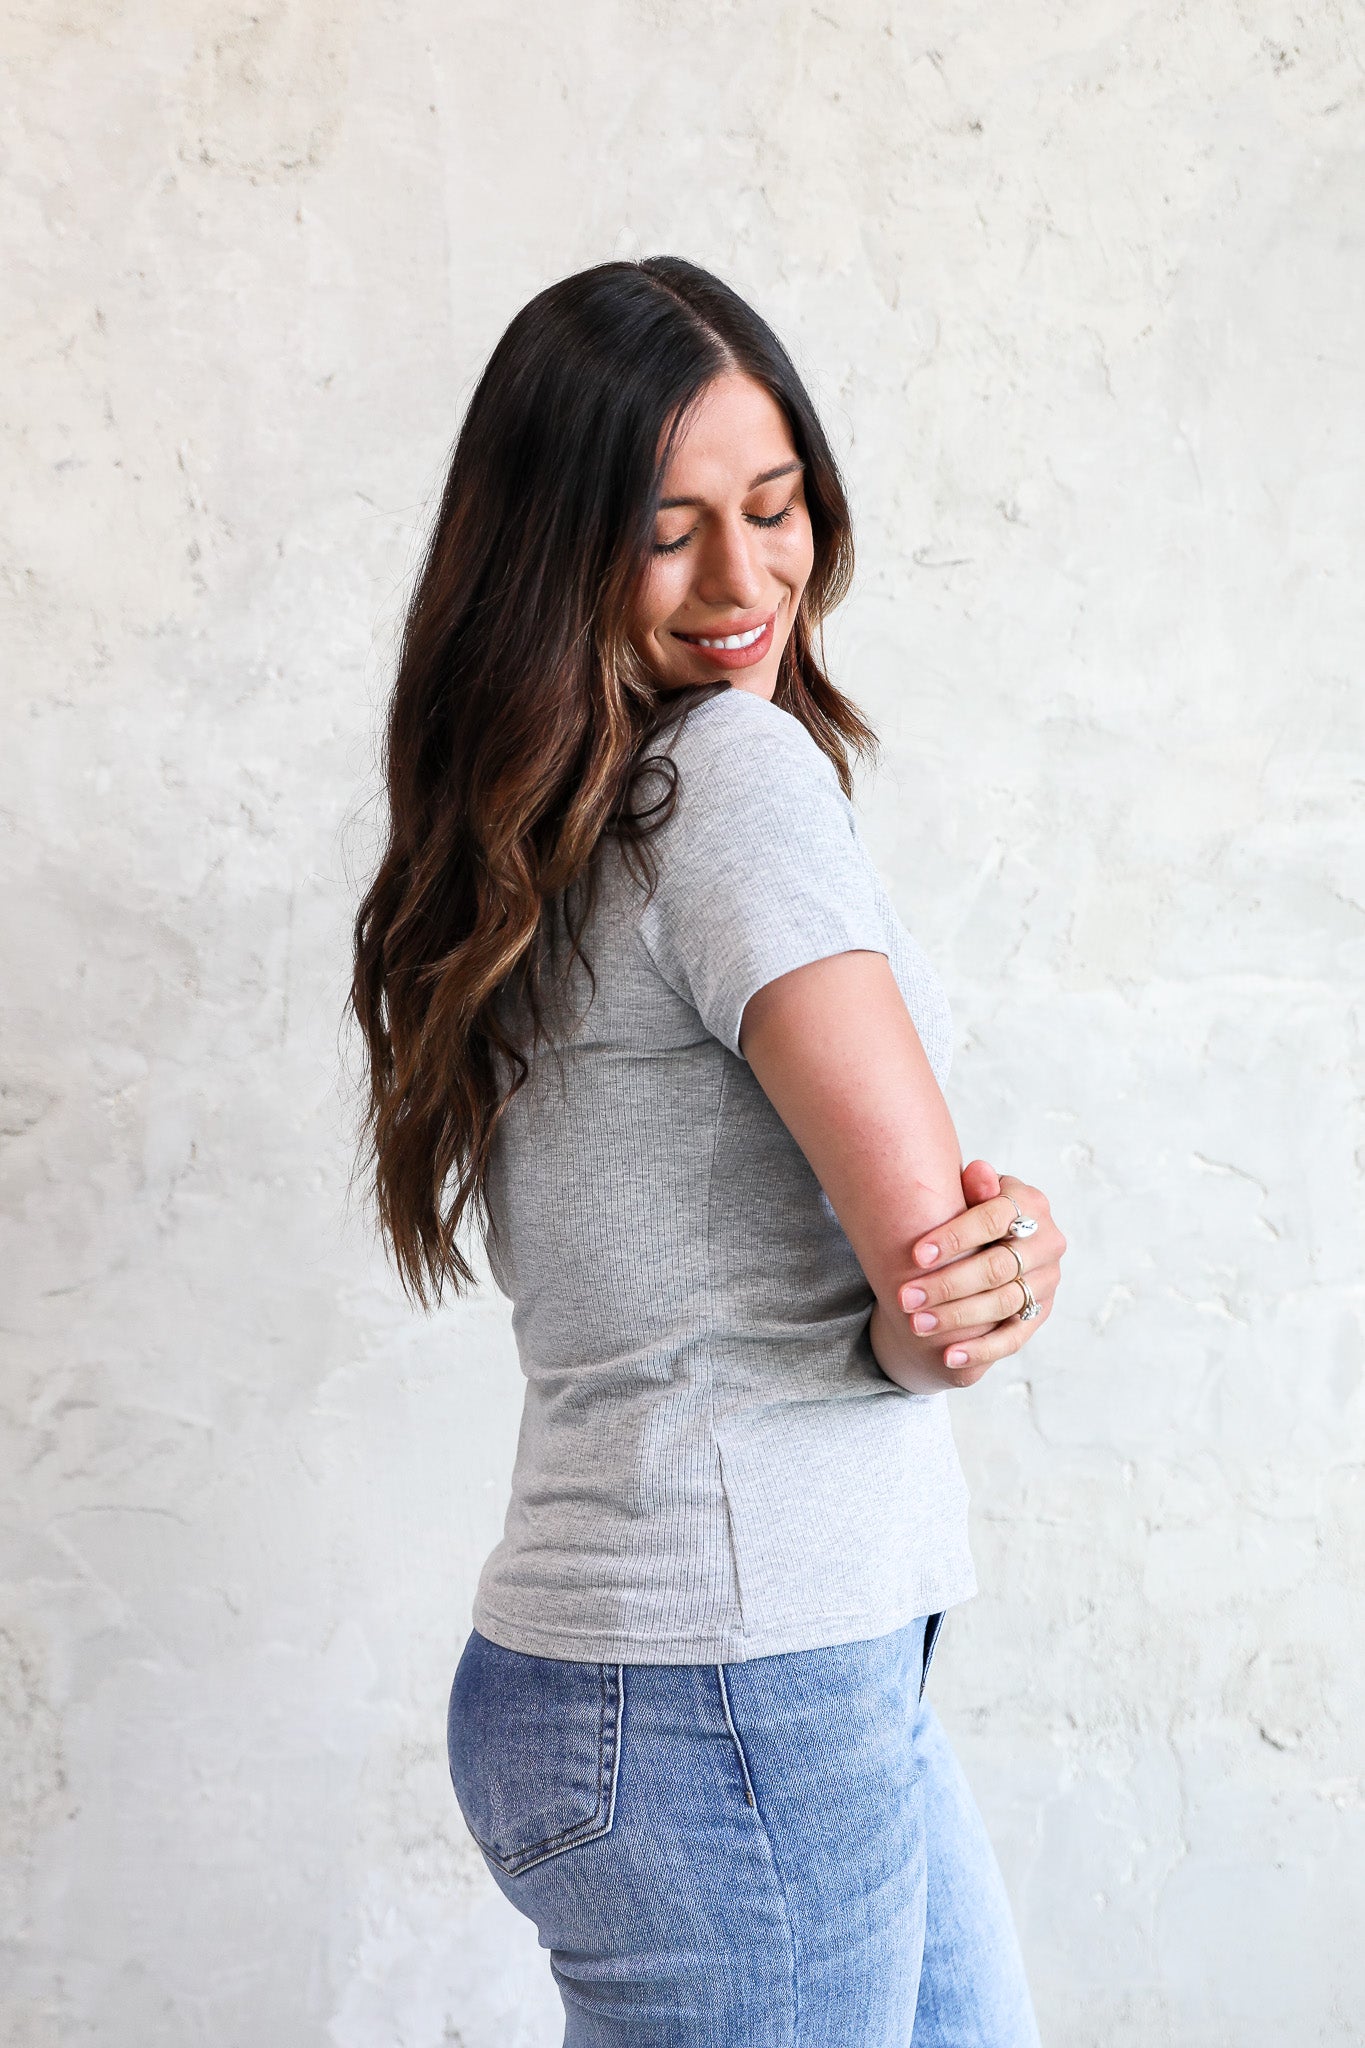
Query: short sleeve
x=761 y=868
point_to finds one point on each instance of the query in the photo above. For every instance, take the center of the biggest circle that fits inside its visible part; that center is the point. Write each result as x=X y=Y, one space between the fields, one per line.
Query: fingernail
x=926 y=1254
x=956 y=1357
x=912 y=1297
x=924 y=1322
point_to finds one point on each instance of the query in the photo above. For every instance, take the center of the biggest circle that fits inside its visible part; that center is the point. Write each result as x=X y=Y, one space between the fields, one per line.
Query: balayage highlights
x=521 y=714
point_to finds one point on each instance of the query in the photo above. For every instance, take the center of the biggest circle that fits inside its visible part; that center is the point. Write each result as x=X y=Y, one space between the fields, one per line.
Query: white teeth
x=732 y=639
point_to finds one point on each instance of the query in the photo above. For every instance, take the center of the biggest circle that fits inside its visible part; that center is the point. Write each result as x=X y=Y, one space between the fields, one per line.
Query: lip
x=734 y=657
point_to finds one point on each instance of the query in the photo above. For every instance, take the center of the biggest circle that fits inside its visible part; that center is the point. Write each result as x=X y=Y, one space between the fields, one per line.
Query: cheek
x=661 y=592
x=796 y=557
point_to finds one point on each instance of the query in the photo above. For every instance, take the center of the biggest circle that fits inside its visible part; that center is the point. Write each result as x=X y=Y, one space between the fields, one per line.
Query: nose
x=729 y=571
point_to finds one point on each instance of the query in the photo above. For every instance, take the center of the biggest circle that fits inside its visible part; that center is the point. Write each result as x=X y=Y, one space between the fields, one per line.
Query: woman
x=635 y=997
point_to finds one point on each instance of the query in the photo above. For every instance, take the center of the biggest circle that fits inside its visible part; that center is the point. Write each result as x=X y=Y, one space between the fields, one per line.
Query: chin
x=757 y=686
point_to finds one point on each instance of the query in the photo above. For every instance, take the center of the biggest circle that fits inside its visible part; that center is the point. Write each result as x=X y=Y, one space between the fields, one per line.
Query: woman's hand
x=965 y=1285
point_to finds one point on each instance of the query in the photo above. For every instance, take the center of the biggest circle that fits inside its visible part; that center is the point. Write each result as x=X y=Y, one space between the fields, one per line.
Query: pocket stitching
x=593 y=1827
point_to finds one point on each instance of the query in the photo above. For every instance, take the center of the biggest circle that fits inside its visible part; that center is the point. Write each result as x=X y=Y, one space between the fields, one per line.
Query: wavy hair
x=521 y=715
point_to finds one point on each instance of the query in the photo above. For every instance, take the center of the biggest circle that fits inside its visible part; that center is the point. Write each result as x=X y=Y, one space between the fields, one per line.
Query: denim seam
x=773 y=1856
x=734 y=1736
x=581 y=1830
x=616 y=1741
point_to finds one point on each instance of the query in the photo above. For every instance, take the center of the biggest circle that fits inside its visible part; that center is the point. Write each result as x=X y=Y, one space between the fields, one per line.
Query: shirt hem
x=720 y=1646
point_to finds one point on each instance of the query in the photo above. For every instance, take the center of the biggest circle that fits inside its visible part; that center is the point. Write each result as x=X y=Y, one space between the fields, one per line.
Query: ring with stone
x=1022 y=1226
x=1030 y=1308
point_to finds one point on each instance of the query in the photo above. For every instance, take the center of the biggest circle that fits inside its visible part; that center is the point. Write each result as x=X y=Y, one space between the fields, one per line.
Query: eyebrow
x=769 y=476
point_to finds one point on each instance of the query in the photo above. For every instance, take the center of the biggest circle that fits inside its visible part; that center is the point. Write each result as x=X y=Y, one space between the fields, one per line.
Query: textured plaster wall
x=1081 y=289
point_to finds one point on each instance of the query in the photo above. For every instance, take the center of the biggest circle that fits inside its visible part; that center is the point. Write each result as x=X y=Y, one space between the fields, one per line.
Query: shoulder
x=728 y=739
x=753 y=789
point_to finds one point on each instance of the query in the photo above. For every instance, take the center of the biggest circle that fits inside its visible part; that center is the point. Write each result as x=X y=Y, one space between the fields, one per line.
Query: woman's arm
x=835 y=1050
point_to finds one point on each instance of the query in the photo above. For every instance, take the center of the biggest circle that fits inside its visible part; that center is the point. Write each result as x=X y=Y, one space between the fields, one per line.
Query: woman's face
x=732 y=545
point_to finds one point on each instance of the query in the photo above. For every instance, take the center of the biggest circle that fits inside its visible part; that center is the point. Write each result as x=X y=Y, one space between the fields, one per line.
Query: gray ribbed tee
x=711 y=1465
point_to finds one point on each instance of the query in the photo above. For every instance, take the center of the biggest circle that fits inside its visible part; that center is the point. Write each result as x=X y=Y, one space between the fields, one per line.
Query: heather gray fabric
x=711 y=1465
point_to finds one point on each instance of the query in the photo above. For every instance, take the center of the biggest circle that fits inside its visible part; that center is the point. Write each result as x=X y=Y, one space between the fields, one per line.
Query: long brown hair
x=521 y=715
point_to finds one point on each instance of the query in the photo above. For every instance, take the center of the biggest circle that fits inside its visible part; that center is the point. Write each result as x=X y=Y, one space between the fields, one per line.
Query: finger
x=976 y=1275
x=1001 y=1342
x=1031 y=1200
x=980 y=1182
x=976 y=1226
x=982 y=1314
x=975 y=1310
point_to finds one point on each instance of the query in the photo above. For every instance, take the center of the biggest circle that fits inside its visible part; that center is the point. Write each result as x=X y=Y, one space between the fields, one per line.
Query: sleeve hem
x=804 y=954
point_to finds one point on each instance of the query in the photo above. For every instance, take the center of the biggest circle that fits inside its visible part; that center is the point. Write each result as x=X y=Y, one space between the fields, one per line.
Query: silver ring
x=1022 y=1226
x=1030 y=1308
x=1015 y=1256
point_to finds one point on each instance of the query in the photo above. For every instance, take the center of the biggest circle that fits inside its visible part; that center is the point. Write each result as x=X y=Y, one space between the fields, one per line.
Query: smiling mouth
x=728 y=640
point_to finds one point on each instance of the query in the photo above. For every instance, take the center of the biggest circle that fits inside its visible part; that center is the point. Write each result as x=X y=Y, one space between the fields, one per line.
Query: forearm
x=836 y=1051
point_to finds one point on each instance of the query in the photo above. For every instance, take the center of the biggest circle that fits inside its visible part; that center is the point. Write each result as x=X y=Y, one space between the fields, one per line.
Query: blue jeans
x=781 y=1853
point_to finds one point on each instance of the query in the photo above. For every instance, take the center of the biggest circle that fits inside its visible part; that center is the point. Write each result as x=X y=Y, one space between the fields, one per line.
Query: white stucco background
x=1081 y=290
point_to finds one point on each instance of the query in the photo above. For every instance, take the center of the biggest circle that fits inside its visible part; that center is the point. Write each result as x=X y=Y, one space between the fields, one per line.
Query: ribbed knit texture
x=711 y=1465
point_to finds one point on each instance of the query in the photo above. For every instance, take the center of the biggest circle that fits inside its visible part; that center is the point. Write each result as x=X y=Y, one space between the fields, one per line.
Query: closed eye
x=775 y=518
x=673 y=547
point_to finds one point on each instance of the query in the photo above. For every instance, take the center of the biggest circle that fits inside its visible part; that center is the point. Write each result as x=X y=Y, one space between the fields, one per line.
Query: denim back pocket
x=533 y=1744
